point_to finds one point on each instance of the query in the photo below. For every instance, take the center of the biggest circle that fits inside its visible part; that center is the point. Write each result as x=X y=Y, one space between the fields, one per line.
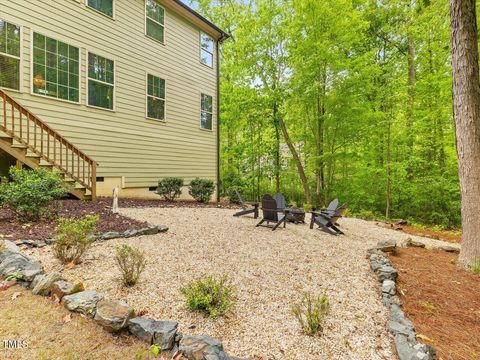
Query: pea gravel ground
x=269 y=269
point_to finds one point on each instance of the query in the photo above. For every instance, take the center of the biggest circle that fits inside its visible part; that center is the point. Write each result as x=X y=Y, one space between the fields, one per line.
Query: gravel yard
x=269 y=270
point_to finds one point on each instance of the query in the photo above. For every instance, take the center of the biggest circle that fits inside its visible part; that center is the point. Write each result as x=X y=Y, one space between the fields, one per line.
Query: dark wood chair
x=249 y=207
x=331 y=208
x=272 y=214
x=294 y=215
x=327 y=222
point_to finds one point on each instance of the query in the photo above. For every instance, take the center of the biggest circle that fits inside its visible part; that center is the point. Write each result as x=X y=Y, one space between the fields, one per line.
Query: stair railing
x=28 y=130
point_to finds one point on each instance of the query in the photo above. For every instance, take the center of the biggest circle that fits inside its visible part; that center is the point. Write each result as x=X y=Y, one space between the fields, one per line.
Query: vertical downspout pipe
x=219 y=42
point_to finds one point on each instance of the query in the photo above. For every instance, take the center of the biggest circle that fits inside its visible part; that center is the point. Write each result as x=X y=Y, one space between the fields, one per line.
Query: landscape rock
x=50 y=241
x=63 y=288
x=386 y=272
x=44 y=285
x=113 y=316
x=162 y=228
x=201 y=348
x=109 y=235
x=388 y=287
x=17 y=263
x=8 y=248
x=414 y=243
x=84 y=302
x=36 y=280
x=387 y=246
x=163 y=333
x=455 y=248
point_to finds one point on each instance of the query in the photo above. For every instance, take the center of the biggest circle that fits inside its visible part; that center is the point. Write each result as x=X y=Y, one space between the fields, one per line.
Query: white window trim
x=101 y=13
x=114 y=109
x=208 y=112
x=201 y=48
x=162 y=25
x=32 y=32
x=155 y=97
x=20 y=58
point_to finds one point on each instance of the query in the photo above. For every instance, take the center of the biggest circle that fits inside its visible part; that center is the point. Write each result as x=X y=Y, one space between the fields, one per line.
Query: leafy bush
x=170 y=188
x=476 y=268
x=311 y=313
x=74 y=237
x=201 y=189
x=211 y=296
x=131 y=262
x=308 y=207
x=232 y=194
x=30 y=191
x=365 y=215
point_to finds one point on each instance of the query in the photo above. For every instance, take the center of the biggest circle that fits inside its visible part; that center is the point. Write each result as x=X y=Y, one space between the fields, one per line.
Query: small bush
x=201 y=189
x=232 y=194
x=131 y=262
x=311 y=313
x=365 y=215
x=308 y=207
x=211 y=296
x=30 y=191
x=74 y=237
x=428 y=307
x=476 y=268
x=170 y=188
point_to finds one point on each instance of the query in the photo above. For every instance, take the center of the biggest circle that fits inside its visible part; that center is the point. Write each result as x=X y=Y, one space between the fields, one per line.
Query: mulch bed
x=442 y=299
x=13 y=228
x=454 y=236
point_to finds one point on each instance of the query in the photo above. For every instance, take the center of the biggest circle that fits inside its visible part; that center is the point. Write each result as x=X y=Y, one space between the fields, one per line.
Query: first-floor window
x=207 y=112
x=103 y=6
x=9 y=55
x=101 y=81
x=155 y=97
x=56 y=69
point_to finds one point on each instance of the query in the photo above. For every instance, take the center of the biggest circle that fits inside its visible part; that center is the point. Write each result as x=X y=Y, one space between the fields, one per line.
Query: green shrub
x=74 y=237
x=476 y=268
x=365 y=215
x=29 y=192
x=131 y=262
x=311 y=313
x=232 y=194
x=211 y=296
x=170 y=188
x=201 y=189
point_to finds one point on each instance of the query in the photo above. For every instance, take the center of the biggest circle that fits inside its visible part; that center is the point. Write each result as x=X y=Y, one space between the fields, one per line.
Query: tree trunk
x=298 y=162
x=277 y=148
x=410 y=101
x=466 y=109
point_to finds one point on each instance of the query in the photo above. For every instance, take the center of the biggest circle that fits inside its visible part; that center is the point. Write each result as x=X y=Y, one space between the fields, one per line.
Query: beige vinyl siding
x=124 y=142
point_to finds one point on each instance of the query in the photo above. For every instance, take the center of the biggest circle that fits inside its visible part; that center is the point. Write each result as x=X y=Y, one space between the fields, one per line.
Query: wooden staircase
x=35 y=144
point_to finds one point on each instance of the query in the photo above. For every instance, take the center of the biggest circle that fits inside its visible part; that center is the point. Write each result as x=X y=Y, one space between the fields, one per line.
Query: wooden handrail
x=48 y=144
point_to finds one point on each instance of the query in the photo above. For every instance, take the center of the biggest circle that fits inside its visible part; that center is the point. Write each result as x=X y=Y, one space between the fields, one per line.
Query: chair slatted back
x=269 y=207
x=338 y=213
x=333 y=205
x=240 y=199
x=280 y=199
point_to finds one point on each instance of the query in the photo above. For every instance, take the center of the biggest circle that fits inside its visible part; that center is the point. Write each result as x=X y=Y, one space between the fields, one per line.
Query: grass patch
x=311 y=312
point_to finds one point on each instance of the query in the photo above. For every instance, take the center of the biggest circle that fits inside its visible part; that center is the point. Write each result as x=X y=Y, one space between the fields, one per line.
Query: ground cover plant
x=131 y=262
x=29 y=192
x=209 y=295
x=311 y=312
x=74 y=237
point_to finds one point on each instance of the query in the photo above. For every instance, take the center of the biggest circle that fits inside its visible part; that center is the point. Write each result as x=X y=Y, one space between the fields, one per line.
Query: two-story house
x=109 y=92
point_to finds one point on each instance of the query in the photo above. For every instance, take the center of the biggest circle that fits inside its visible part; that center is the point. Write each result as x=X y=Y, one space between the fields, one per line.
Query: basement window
x=56 y=69
x=9 y=55
x=154 y=21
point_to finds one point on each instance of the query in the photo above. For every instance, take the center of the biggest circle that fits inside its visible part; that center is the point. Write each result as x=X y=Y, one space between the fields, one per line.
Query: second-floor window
x=9 y=55
x=103 y=6
x=56 y=68
x=101 y=82
x=206 y=50
x=155 y=97
x=206 y=115
x=155 y=21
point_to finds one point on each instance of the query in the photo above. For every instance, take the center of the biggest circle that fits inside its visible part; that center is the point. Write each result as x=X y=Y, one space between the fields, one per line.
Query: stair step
x=19 y=146
x=32 y=155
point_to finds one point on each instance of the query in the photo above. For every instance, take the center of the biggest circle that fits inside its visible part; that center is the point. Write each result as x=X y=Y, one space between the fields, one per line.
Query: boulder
x=110 y=235
x=113 y=316
x=387 y=246
x=387 y=272
x=388 y=287
x=19 y=264
x=44 y=285
x=162 y=333
x=414 y=243
x=162 y=228
x=8 y=248
x=84 y=302
x=36 y=280
x=455 y=248
x=201 y=348
x=62 y=288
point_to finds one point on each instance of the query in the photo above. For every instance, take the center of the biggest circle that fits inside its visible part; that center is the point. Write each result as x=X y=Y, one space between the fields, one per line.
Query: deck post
x=94 y=181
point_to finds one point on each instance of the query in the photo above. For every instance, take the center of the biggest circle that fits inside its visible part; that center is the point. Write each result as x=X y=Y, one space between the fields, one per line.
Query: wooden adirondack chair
x=247 y=207
x=331 y=208
x=294 y=215
x=272 y=214
x=327 y=221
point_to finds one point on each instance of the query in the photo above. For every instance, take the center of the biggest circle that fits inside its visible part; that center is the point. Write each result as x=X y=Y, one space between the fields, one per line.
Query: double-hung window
x=155 y=21
x=207 y=112
x=56 y=70
x=155 y=97
x=206 y=50
x=103 y=6
x=101 y=81
x=9 y=55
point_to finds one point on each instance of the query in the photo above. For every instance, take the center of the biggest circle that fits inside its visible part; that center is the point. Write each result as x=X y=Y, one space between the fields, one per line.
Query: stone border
x=113 y=316
x=406 y=344
x=109 y=235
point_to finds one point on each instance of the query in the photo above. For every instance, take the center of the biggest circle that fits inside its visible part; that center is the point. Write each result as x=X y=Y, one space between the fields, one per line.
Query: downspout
x=219 y=42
